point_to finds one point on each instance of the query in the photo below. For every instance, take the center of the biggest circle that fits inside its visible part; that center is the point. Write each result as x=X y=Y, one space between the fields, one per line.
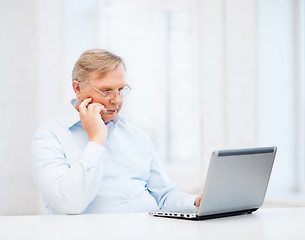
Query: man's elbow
x=70 y=209
x=72 y=206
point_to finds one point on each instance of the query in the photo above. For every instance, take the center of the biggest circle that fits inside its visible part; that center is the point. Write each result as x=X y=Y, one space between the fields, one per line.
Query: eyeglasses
x=111 y=94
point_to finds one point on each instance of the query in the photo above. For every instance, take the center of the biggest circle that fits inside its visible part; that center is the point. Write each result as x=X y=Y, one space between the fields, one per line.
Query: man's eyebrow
x=107 y=87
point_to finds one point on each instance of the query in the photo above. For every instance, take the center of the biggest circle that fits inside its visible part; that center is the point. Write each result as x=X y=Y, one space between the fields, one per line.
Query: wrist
x=98 y=140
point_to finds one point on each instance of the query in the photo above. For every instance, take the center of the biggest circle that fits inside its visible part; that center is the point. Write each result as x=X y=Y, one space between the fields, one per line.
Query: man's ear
x=76 y=88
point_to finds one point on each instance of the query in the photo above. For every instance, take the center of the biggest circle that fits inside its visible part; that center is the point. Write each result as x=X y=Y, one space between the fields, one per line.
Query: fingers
x=197 y=201
x=97 y=108
x=84 y=104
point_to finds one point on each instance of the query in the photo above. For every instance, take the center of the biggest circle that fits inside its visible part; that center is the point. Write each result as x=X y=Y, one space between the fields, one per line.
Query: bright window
x=300 y=93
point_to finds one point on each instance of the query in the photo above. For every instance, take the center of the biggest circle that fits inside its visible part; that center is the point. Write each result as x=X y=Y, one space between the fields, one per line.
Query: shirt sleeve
x=67 y=188
x=163 y=189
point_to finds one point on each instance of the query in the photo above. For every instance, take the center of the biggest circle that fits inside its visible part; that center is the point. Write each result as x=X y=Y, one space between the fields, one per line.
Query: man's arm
x=164 y=191
x=70 y=185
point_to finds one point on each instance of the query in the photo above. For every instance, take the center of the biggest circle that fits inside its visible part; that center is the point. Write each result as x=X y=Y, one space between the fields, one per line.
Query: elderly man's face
x=113 y=80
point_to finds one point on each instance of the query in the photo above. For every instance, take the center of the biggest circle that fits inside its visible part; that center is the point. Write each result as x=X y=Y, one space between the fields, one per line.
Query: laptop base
x=205 y=217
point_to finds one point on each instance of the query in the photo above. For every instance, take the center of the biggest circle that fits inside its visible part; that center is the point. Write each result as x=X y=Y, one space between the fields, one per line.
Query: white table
x=272 y=223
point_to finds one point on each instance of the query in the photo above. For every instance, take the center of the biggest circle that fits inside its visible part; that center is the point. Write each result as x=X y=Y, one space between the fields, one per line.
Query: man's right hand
x=92 y=122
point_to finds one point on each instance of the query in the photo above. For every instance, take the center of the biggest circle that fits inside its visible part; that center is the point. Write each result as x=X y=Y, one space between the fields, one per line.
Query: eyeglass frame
x=115 y=92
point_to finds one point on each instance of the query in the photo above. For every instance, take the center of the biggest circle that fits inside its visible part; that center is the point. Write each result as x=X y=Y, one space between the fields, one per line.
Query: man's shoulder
x=51 y=126
x=67 y=118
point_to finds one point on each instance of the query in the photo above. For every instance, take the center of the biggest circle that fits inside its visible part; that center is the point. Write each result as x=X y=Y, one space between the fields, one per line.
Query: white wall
x=35 y=60
x=277 y=89
x=18 y=105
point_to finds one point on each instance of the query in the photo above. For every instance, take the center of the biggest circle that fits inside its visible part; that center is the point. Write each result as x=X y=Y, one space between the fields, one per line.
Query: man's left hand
x=197 y=201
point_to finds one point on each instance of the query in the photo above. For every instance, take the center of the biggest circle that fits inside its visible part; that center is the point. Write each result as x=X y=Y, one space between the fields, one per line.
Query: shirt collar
x=72 y=115
x=118 y=118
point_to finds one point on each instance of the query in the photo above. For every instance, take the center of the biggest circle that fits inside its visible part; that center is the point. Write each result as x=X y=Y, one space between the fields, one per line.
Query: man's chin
x=108 y=117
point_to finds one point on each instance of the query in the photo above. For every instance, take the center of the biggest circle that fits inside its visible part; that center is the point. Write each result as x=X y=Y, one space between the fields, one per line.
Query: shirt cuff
x=92 y=154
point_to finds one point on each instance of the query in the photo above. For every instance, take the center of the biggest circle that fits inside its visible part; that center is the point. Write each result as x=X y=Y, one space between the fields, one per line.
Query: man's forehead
x=101 y=81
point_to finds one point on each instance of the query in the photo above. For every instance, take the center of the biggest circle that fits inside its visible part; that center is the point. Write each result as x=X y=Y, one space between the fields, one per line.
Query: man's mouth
x=111 y=110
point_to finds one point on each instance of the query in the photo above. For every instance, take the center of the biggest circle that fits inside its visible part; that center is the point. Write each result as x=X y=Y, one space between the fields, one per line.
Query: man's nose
x=117 y=99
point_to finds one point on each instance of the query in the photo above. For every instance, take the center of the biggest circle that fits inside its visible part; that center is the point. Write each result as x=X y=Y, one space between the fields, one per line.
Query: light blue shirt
x=77 y=176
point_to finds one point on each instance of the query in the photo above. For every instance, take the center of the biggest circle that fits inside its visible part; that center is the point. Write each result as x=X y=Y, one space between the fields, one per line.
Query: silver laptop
x=236 y=183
